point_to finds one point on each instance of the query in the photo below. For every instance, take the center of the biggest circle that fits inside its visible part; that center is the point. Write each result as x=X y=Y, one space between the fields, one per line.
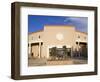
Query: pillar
x=29 y=50
x=79 y=49
x=39 y=49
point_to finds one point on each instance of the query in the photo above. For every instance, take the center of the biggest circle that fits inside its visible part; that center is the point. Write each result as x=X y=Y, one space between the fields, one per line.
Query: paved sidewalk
x=43 y=62
x=36 y=62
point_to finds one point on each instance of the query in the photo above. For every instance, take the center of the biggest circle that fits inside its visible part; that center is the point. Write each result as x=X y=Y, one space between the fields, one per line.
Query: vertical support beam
x=39 y=49
x=29 y=51
x=47 y=56
x=78 y=48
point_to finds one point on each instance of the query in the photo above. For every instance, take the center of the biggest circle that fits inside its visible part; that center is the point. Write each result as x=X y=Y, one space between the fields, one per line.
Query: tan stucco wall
x=34 y=38
x=82 y=35
x=50 y=39
x=50 y=32
x=35 y=35
x=48 y=36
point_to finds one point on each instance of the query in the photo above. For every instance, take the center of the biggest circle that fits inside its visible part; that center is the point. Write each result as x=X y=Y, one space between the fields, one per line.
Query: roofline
x=36 y=31
x=81 y=32
x=60 y=25
x=50 y=25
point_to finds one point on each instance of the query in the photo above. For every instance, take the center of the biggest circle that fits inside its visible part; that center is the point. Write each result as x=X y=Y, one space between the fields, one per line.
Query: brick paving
x=43 y=62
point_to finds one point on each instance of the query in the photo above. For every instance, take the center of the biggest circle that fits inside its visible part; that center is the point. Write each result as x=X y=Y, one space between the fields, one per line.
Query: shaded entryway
x=81 y=50
x=34 y=49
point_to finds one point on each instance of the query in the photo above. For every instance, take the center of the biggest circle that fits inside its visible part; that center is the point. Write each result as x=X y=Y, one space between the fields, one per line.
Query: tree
x=65 y=51
x=53 y=52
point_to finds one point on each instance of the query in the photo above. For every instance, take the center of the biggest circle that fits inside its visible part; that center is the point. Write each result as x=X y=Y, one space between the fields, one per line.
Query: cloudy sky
x=37 y=22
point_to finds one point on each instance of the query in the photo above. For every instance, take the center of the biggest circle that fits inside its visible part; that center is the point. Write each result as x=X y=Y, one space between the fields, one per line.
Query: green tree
x=53 y=52
x=65 y=51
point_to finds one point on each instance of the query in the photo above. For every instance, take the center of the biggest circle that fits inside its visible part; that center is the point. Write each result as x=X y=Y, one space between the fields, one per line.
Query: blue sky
x=37 y=22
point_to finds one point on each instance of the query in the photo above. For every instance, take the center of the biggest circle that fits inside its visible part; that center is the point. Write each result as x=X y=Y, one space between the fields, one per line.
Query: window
x=39 y=37
x=78 y=36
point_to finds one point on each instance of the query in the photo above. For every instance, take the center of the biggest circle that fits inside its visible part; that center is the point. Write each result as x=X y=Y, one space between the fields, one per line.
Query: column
x=39 y=49
x=79 y=49
x=29 y=50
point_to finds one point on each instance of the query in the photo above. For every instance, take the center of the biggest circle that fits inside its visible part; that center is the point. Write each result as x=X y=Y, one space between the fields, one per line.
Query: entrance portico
x=34 y=49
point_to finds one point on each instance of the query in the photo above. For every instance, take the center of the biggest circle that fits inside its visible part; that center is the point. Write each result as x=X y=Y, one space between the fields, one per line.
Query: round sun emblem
x=59 y=36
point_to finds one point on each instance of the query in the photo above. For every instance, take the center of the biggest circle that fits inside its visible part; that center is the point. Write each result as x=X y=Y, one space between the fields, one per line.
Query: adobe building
x=40 y=42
